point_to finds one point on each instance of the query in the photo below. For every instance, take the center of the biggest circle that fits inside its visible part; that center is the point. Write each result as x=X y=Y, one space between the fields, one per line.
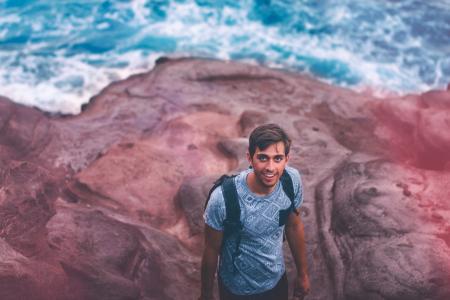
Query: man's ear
x=249 y=158
x=287 y=158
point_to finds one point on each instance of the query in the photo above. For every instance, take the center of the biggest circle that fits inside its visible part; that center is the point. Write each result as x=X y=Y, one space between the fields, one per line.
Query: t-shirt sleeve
x=298 y=186
x=215 y=210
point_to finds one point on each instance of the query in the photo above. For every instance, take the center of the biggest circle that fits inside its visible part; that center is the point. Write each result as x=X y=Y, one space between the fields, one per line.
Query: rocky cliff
x=108 y=204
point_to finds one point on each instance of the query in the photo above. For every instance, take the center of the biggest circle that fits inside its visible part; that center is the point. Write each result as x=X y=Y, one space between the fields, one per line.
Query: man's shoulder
x=294 y=173
x=217 y=195
x=296 y=179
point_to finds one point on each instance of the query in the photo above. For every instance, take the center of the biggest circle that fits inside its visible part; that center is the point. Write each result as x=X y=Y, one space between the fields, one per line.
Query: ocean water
x=56 y=54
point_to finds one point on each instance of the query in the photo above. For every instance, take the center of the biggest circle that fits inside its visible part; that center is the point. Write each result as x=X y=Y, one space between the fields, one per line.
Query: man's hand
x=302 y=287
x=295 y=235
x=213 y=242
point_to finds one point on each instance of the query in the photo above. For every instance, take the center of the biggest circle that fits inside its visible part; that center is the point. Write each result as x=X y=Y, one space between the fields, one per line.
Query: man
x=252 y=264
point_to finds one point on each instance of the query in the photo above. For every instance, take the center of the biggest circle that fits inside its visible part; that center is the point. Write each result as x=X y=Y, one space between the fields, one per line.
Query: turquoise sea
x=56 y=54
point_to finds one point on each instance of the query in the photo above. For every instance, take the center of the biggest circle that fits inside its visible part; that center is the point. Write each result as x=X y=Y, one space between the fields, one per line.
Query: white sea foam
x=140 y=11
x=61 y=93
x=369 y=48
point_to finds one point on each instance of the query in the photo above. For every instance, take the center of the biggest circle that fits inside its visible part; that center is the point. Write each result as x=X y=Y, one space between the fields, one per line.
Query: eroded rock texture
x=108 y=204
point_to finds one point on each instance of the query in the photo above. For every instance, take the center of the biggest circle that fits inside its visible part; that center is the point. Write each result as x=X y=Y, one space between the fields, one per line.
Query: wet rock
x=108 y=204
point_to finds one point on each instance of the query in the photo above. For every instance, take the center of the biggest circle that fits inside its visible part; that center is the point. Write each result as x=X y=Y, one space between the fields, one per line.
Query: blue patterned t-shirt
x=259 y=263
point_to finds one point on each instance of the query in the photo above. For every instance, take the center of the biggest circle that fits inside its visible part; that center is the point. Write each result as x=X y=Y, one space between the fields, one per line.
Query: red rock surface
x=108 y=204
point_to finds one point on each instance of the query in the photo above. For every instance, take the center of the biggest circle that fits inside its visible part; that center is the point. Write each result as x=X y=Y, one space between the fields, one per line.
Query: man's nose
x=270 y=166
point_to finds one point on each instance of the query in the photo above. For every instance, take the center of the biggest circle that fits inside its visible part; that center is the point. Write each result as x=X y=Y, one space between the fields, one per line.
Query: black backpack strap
x=233 y=210
x=288 y=188
x=216 y=184
x=232 y=223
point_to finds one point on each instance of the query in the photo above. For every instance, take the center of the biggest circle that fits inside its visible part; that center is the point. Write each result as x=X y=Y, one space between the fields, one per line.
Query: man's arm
x=213 y=242
x=295 y=235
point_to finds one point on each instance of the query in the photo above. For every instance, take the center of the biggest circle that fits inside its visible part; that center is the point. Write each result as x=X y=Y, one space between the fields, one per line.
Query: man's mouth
x=268 y=175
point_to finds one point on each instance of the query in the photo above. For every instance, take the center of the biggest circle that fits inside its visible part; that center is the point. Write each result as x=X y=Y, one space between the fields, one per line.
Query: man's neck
x=256 y=187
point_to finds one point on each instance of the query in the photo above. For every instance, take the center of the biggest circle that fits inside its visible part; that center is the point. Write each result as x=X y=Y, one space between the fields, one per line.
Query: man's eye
x=262 y=158
x=278 y=159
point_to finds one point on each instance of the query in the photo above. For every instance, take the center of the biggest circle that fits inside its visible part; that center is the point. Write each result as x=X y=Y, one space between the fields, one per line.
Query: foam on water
x=57 y=54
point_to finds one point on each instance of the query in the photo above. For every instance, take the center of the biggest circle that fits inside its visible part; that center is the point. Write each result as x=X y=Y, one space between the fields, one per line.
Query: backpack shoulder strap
x=231 y=198
x=288 y=188
x=216 y=184
x=232 y=221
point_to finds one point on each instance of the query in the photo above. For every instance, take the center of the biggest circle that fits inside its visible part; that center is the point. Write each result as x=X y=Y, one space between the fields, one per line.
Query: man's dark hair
x=265 y=135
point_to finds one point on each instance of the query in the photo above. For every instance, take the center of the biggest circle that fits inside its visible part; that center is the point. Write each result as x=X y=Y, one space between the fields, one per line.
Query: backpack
x=232 y=223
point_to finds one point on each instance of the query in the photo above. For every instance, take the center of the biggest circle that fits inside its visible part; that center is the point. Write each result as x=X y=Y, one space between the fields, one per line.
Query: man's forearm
x=209 y=266
x=296 y=240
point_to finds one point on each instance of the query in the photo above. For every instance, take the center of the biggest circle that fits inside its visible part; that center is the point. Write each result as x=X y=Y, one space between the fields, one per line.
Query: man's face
x=268 y=164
